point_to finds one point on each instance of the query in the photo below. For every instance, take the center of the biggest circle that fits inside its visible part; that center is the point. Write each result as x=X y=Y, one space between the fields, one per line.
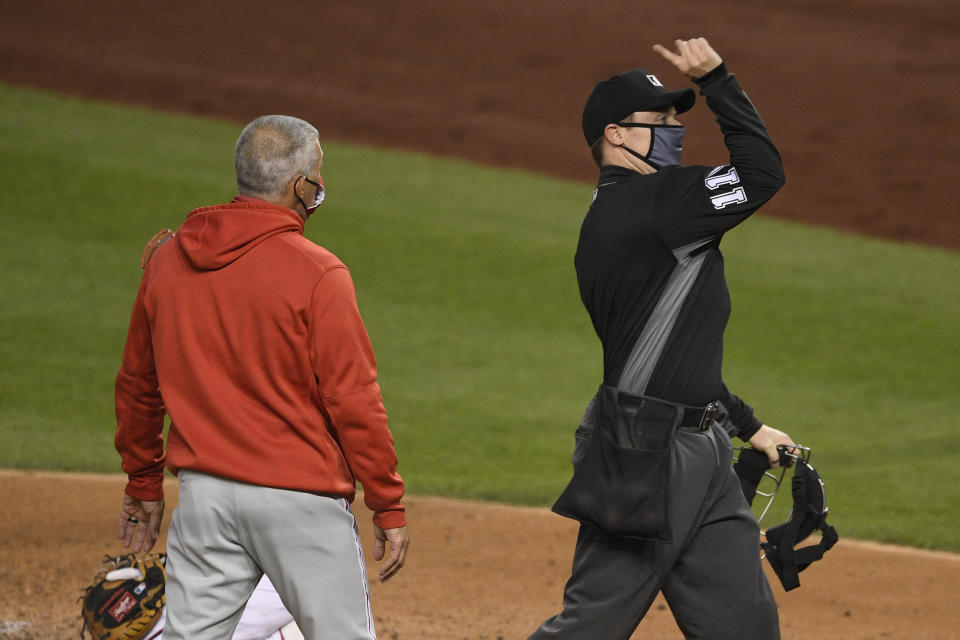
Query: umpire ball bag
x=622 y=482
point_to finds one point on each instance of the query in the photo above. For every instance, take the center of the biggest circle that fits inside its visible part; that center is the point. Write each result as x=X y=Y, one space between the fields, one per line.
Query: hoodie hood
x=213 y=237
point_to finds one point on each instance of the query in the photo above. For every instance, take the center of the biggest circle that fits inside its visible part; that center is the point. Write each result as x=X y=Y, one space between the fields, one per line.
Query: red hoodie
x=248 y=335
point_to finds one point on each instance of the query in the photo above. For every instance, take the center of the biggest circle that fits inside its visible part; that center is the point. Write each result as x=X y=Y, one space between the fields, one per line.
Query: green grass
x=465 y=278
x=851 y=345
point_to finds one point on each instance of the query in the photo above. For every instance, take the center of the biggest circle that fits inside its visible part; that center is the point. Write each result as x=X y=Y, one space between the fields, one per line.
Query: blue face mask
x=666 y=143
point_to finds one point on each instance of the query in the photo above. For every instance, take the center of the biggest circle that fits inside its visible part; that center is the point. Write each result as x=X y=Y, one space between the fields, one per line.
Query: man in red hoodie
x=249 y=337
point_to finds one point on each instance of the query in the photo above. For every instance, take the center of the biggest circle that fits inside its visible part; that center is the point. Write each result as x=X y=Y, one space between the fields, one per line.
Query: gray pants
x=225 y=535
x=710 y=575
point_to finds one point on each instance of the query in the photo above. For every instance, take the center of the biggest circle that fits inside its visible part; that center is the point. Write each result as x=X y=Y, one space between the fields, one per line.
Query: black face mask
x=666 y=143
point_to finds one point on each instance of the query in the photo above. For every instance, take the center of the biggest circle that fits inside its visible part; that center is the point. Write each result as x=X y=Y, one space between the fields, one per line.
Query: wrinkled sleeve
x=698 y=203
x=139 y=409
x=738 y=419
x=346 y=374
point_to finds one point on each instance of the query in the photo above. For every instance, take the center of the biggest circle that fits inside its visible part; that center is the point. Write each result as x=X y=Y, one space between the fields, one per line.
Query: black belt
x=699 y=418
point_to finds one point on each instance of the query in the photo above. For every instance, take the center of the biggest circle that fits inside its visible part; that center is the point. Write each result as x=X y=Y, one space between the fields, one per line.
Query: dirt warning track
x=860 y=97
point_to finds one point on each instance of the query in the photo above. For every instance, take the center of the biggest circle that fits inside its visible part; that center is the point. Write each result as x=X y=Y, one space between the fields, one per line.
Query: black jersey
x=649 y=265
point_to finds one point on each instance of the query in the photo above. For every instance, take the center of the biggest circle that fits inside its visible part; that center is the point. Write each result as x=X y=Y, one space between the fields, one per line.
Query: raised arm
x=715 y=199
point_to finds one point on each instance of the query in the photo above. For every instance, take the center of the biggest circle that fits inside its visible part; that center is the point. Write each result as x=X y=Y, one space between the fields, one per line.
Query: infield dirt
x=476 y=571
x=859 y=96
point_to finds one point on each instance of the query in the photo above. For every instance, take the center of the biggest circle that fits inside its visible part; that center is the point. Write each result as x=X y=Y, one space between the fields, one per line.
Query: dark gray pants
x=710 y=575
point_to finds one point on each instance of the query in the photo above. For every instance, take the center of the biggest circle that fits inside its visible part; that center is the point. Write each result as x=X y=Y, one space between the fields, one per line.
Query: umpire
x=659 y=505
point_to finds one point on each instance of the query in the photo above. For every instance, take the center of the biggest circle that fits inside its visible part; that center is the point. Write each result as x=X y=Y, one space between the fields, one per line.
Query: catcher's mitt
x=126 y=597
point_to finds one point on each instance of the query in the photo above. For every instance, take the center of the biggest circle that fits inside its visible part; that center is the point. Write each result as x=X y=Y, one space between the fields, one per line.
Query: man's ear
x=290 y=195
x=612 y=135
x=294 y=186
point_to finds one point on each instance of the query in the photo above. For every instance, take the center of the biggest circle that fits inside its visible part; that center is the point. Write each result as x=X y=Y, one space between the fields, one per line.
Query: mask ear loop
x=296 y=193
x=317 y=199
x=645 y=158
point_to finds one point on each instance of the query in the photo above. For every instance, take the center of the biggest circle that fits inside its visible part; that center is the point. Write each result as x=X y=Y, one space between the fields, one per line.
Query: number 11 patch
x=715 y=180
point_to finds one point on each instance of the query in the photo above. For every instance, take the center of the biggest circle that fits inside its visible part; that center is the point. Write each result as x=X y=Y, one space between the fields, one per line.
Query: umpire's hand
x=399 y=540
x=767 y=439
x=694 y=58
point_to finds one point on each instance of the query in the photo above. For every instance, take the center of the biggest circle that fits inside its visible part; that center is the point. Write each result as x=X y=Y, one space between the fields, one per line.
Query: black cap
x=617 y=97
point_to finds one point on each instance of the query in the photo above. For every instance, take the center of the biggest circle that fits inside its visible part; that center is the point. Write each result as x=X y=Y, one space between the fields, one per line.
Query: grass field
x=465 y=278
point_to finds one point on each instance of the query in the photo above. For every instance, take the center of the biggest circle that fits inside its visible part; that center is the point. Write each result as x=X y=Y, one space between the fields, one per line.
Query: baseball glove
x=125 y=599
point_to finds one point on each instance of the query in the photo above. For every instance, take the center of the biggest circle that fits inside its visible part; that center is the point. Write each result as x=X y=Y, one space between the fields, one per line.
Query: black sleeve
x=698 y=203
x=738 y=419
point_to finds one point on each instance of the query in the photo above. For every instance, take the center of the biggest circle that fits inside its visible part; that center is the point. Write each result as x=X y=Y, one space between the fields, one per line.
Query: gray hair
x=270 y=151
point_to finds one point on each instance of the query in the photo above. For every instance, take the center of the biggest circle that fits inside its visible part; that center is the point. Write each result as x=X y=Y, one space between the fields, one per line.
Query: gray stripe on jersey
x=649 y=346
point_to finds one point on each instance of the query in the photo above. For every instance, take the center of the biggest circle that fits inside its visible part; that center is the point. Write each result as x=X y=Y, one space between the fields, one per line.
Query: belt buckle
x=710 y=414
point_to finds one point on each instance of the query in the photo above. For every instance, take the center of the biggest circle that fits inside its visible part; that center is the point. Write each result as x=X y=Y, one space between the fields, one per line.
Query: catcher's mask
x=809 y=511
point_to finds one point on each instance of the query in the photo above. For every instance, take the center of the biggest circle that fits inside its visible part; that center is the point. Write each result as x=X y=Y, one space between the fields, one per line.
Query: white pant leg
x=264 y=614
x=262 y=618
